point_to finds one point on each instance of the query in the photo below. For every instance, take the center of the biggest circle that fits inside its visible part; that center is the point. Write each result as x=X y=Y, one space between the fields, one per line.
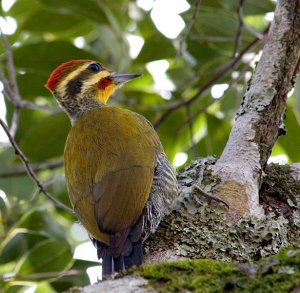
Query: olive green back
x=110 y=155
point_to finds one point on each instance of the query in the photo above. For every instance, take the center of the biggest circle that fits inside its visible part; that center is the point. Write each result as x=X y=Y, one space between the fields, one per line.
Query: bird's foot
x=196 y=191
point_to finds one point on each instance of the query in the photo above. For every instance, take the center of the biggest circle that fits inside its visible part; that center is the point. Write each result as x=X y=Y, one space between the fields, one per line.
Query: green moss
x=279 y=183
x=193 y=275
x=276 y=274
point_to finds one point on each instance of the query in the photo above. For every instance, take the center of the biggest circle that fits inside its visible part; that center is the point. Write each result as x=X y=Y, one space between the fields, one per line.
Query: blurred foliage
x=36 y=246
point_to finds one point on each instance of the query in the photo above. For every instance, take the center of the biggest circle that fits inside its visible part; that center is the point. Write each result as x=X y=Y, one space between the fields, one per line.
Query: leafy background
x=37 y=239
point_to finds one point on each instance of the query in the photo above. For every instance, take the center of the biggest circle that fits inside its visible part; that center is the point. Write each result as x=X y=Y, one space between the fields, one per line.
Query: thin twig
x=239 y=30
x=254 y=32
x=11 y=90
x=38 y=276
x=32 y=106
x=6 y=85
x=15 y=121
x=212 y=39
x=22 y=103
x=20 y=171
x=191 y=130
x=30 y=171
x=10 y=67
x=230 y=65
x=205 y=107
x=189 y=27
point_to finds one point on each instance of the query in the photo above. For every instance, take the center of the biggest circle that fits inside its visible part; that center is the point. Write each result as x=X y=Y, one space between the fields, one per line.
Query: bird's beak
x=122 y=78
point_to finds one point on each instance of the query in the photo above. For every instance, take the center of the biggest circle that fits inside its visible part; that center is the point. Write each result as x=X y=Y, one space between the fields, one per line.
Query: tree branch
x=255 y=131
x=11 y=89
x=30 y=171
x=40 y=276
x=202 y=109
x=11 y=68
x=22 y=104
x=240 y=26
x=21 y=171
x=223 y=71
x=189 y=27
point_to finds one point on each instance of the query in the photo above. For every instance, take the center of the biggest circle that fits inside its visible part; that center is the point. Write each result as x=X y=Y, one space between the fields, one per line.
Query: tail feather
x=136 y=256
x=123 y=251
x=107 y=264
x=112 y=264
x=137 y=253
x=118 y=263
x=128 y=262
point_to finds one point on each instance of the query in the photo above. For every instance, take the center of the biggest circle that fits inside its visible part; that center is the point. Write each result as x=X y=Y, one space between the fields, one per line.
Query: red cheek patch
x=103 y=83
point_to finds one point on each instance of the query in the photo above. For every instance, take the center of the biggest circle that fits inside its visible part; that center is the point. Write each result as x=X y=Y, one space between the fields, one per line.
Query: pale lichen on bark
x=201 y=230
x=255 y=131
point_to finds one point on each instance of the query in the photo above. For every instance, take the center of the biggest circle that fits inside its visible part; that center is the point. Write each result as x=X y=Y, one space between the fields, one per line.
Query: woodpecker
x=119 y=180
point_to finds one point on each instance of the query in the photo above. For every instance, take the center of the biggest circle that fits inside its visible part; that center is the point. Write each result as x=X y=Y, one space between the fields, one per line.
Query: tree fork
x=255 y=131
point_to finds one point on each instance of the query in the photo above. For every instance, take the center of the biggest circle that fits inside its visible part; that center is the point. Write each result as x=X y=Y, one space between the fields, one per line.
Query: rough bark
x=257 y=125
x=198 y=228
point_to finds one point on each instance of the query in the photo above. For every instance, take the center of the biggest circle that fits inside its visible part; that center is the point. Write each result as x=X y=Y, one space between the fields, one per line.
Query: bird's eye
x=95 y=67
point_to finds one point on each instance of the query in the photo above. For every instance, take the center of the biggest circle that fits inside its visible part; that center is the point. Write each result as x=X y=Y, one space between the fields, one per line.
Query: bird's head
x=80 y=85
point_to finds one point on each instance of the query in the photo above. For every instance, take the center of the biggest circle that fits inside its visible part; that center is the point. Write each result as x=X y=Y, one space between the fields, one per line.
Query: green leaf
x=22 y=9
x=216 y=21
x=28 y=120
x=12 y=288
x=292 y=125
x=42 y=222
x=217 y=134
x=64 y=283
x=156 y=46
x=43 y=287
x=297 y=97
x=36 y=88
x=20 y=187
x=152 y=51
x=47 y=256
x=250 y=7
x=256 y=21
x=258 y=7
x=3 y=212
x=43 y=57
x=231 y=102
x=46 y=21
x=87 y=10
x=113 y=48
x=171 y=129
x=47 y=139
x=16 y=242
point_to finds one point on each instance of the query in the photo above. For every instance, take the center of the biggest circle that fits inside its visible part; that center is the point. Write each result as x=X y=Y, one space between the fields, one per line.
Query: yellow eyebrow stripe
x=62 y=85
x=94 y=78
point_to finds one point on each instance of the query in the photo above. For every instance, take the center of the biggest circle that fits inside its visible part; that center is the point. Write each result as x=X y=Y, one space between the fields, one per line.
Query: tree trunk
x=258 y=122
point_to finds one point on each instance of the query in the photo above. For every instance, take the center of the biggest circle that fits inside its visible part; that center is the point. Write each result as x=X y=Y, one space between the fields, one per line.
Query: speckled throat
x=76 y=104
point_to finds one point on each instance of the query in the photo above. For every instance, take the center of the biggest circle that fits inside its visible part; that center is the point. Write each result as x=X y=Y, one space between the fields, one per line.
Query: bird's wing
x=163 y=192
x=110 y=156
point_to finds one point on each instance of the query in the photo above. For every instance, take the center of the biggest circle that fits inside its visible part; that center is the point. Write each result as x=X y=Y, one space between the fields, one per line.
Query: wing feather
x=110 y=156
